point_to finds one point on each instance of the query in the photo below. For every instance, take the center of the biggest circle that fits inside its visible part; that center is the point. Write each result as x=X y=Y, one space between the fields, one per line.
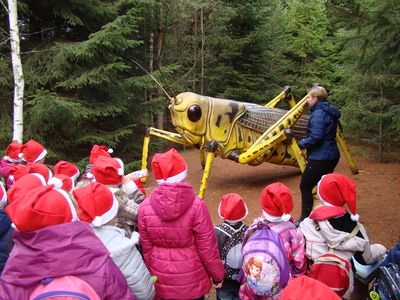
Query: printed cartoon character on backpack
x=232 y=210
x=273 y=249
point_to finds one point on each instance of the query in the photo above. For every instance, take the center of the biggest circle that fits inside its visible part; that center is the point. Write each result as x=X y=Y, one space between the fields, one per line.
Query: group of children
x=100 y=236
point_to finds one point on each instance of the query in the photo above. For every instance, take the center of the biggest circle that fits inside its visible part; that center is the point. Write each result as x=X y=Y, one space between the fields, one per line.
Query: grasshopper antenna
x=152 y=77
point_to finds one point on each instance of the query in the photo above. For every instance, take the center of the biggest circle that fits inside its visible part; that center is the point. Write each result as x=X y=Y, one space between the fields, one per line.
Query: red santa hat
x=24 y=185
x=32 y=151
x=42 y=207
x=277 y=202
x=66 y=168
x=13 y=152
x=99 y=150
x=62 y=181
x=107 y=170
x=97 y=204
x=3 y=196
x=18 y=171
x=338 y=190
x=169 y=167
x=304 y=287
x=232 y=208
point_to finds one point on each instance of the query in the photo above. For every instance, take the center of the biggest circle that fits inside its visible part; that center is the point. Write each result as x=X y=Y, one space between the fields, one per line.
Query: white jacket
x=317 y=244
x=128 y=259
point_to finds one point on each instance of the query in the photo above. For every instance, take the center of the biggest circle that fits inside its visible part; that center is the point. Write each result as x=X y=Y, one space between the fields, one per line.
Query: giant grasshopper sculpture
x=244 y=132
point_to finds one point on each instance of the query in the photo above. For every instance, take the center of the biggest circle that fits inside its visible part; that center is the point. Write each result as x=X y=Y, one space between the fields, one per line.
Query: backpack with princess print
x=265 y=265
x=231 y=253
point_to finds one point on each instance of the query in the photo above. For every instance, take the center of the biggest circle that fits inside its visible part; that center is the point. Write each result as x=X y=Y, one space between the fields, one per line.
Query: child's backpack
x=64 y=288
x=231 y=253
x=387 y=283
x=333 y=270
x=265 y=265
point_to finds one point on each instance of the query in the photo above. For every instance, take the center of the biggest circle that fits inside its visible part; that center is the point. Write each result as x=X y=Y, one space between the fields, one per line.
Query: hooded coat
x=319 y=231
x=54 y=251
x=321 y=132
x=178 y=242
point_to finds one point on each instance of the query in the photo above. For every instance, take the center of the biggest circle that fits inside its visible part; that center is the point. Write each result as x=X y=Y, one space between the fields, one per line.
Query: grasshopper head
x=189 y=113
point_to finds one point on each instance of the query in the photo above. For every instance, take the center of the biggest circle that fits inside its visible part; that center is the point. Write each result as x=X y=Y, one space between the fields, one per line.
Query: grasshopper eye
x=194 y=112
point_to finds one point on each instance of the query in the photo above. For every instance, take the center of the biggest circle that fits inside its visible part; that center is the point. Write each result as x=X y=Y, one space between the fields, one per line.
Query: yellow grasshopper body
x=244 y=132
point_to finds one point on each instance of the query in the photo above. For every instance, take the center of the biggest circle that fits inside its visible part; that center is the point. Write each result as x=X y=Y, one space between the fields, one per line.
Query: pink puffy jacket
x=178 y=242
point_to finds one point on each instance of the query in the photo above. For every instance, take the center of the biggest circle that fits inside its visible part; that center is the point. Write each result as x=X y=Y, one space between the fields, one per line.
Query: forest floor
x=378 y=190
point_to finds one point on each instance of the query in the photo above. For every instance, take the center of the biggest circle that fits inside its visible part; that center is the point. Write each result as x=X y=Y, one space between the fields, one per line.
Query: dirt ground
x=378 y=190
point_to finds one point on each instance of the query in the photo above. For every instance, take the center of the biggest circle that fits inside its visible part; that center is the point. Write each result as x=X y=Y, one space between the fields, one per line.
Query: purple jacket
x=5 y=168
x=178 y=242
x=66 y=249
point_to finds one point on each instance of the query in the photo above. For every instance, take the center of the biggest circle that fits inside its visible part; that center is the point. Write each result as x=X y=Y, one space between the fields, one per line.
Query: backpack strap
x=228 y=230
x=352 y=234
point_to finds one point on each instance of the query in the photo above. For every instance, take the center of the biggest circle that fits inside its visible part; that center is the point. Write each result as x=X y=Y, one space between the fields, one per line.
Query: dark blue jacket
x=393 y=255
x=6 y=243
x=321 y=132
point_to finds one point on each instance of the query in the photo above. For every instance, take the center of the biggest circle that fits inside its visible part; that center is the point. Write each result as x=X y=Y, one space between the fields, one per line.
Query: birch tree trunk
x=18 y=121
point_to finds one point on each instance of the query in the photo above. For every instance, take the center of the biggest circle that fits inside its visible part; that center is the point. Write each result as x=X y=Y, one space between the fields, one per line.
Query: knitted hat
x=24 y=185
x=97 y=204
x=32 y=151
x=41 y=207
x=304 y=287
x=63 y=182
x=107 y=170
x=17 y=171
x=3 y=195
x=12 y=152
x=66 y=168
x=169 y=167
x=277 y=202
x=99 y=151
x=232 y=208
x=338 y=190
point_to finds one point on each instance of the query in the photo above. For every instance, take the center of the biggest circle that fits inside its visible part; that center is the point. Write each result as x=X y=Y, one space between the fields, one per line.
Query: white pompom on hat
x=97 y=204
x=338 y=190
x=277 y=202
x=61 y=181
x=232 y=208
x=169 y=167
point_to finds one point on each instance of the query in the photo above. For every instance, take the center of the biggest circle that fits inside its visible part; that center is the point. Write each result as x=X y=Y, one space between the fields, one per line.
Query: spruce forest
x=83 y=86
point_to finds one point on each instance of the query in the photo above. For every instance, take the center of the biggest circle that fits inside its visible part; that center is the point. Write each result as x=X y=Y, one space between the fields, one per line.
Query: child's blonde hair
x=319 y=92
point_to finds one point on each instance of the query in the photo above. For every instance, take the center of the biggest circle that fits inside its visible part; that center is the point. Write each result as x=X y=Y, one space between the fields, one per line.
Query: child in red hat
x=335 y=223
x=176 y=232
x=110 y=172
x=232 y=210
x=50 y=242
x=11 y=158
x=277 y=204
x=98 y=206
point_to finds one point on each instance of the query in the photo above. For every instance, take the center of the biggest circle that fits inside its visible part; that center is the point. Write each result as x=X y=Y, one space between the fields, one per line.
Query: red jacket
x=178 y=242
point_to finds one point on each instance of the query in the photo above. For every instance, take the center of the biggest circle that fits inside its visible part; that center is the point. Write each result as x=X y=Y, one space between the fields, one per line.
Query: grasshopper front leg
x=212 y=147
x=170 y=136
